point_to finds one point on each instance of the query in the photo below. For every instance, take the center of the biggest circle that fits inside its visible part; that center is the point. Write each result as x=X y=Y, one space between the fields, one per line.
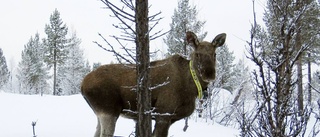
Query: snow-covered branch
x=149 y=112
x=160 y=85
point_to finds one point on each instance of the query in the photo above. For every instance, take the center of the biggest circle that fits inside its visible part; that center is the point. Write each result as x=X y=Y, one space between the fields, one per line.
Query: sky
x=22 y=19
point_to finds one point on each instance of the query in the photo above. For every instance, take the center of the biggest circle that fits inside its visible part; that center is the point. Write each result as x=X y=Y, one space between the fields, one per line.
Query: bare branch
x=156 y=22
x=158 y=35
x=125 y=38
x=130 y=54
x=120 y=14
x=152 y=17
x=127 y=27
x=118 y=55
x=129 y=4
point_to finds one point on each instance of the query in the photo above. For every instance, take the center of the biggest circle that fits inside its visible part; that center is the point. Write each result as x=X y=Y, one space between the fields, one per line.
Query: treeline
x=54 y=64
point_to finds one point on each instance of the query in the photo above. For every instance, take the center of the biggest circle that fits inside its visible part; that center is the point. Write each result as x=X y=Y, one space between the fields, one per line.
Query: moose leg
x=161 y=127
x=107 y=124
x=98 y=129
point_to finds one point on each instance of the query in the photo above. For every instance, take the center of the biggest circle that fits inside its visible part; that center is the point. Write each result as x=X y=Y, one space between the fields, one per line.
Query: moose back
x=110 y=89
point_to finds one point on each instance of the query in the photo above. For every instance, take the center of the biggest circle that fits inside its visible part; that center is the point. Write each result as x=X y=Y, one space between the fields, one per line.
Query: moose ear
x=219 y=40
x=192 y=39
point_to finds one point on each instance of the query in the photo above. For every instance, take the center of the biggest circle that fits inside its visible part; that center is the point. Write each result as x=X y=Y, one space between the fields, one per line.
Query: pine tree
x=4 y=73
x=56 y=43
x=303 y=16
x=74 y=68
x=310 y=37
x=32 y=71
x=306 y=36
x=275 y=51
x=184 y=19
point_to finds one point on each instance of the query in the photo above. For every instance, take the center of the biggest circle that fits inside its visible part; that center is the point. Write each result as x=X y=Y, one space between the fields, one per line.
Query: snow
x=70 y=116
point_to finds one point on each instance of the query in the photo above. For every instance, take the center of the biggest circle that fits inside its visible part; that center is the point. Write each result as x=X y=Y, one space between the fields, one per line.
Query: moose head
x=204 y=56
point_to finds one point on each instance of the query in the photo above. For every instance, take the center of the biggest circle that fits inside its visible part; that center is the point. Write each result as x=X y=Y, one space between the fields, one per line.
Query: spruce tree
x=56 y=44
x=224 y=68
x=4 y=73
x=73 y=70
x=184 y=19
x=32 y=71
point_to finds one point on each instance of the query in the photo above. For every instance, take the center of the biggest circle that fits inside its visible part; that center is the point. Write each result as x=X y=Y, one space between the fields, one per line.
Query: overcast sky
x=21 y=19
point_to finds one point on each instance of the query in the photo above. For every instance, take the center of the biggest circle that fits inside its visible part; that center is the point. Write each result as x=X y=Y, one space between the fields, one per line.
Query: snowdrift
x=70 y=116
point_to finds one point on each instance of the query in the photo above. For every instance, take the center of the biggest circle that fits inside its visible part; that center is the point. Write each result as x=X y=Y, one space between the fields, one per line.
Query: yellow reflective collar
x=196 y=80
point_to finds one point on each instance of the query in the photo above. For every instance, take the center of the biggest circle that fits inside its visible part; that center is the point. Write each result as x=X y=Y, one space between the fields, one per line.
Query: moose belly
x=176 y=108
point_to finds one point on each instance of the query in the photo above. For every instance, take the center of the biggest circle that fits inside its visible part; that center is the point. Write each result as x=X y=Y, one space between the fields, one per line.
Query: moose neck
x=200 y=84
x=184 y=69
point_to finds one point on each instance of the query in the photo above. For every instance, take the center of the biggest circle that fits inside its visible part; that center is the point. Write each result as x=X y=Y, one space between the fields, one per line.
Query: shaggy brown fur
x=110 y=89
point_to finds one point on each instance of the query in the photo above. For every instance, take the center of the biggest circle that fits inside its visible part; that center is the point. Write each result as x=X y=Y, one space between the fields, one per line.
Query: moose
x=110 y=89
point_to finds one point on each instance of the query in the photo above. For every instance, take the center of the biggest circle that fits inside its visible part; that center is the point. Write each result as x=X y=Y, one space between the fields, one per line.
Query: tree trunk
x=143 y=127
x=300 y=88
x=309 y=79
x=299 y=70
x=54 y=71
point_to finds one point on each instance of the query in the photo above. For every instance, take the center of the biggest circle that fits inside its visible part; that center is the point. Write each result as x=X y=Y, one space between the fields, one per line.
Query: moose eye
x=197 y=55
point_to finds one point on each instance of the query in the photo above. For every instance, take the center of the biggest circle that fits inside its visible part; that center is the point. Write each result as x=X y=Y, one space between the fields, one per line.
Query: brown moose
x=110 y=89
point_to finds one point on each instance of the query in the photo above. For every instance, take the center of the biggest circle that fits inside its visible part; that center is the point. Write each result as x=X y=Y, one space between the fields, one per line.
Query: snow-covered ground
x=70 y=116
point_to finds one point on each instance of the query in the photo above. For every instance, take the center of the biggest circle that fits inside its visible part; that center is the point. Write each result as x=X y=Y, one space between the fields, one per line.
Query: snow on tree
x=184 y=19
x=74 y=68
x=240 y=82
x=224 y=68
x=223 y=106
x=315 y=84
x=32 y=71
x=305 y=21
x=308 y=13
x=96 y=65
x=310 y=35
x=4 y=73
x=12 y=83
x=274 y=52
x=229 y=91
x=56 y=44
x=315 y=93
